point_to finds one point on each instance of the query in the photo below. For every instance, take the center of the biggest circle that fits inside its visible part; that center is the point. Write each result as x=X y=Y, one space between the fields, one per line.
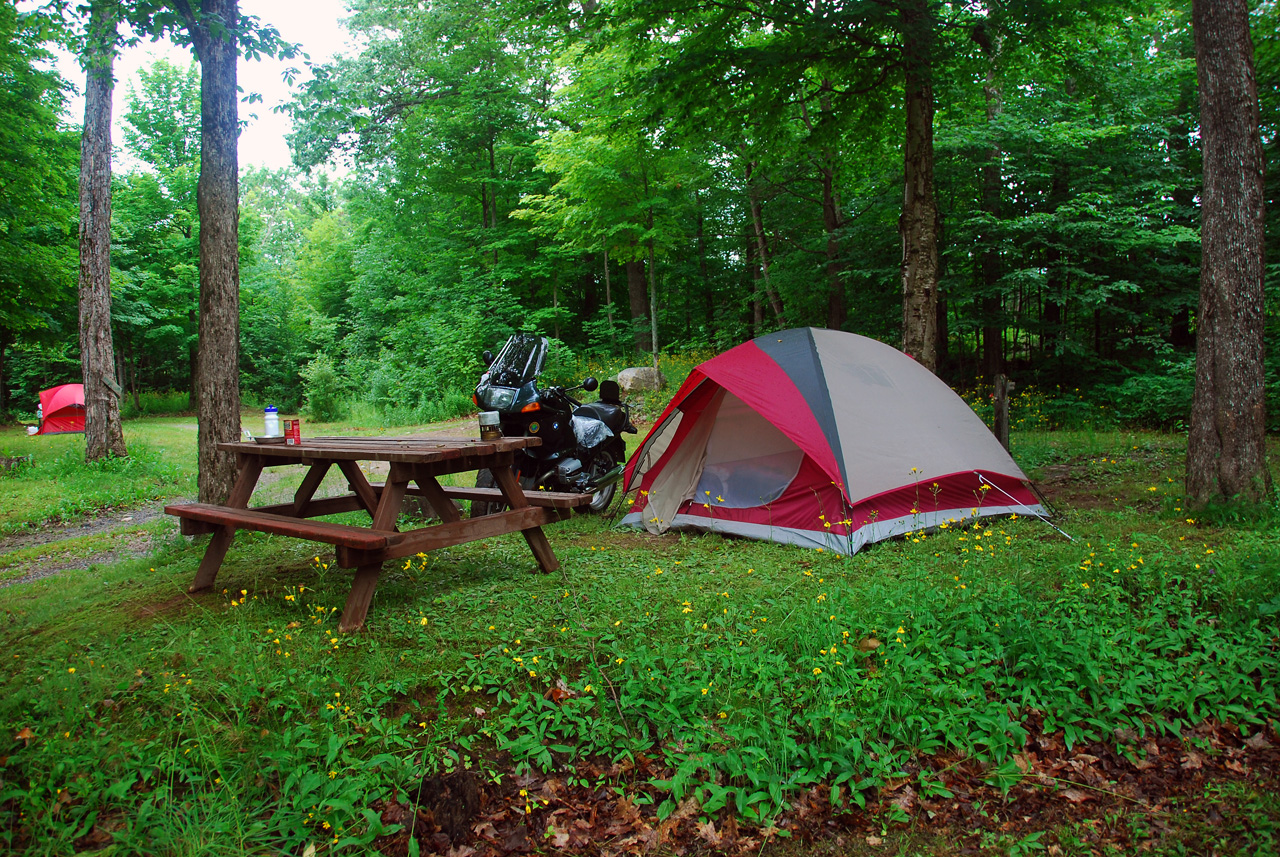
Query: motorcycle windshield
x=519 y=361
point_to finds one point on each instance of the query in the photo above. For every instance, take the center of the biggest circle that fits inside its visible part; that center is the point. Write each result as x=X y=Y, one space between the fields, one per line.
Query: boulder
x=641 y=378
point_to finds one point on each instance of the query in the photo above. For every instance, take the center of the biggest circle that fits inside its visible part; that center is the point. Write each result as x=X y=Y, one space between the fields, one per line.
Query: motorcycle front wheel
x=480 y=508
x=601 y=499
x=484 y=479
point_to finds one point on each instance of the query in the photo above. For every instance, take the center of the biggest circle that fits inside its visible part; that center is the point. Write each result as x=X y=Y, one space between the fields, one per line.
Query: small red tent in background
x=63 y=409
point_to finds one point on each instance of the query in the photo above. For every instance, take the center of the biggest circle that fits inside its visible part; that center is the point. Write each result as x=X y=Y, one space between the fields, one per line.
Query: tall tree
x=1226 y=444
x=213 y=32
x=919 y=224
x=103 y=433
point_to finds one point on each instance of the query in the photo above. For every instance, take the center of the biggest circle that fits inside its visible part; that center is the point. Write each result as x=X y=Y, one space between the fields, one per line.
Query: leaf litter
x=596 y=808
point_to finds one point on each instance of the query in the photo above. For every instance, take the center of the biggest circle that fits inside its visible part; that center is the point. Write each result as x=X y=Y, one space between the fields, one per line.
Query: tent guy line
x=1028 y=508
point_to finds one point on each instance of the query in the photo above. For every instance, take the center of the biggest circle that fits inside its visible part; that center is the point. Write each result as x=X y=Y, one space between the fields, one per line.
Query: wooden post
x=1003 y=386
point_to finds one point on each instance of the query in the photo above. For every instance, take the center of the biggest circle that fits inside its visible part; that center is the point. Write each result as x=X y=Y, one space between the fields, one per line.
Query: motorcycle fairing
x=520 y=361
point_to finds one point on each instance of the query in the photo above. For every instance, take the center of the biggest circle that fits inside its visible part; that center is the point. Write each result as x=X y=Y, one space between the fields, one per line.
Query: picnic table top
x=422 y=449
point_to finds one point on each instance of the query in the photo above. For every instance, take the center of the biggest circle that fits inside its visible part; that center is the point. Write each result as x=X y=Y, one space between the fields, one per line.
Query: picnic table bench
x=414 y=465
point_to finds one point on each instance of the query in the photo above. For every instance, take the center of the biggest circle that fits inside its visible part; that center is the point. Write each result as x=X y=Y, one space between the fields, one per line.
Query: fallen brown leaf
x=557 y=837
x=906 y=800
x=1257 y=741
x=518 y=840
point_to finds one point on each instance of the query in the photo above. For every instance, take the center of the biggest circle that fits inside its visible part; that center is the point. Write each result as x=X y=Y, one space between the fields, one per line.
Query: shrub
x=155 y=403
x=324 y=390
x=1156 y=399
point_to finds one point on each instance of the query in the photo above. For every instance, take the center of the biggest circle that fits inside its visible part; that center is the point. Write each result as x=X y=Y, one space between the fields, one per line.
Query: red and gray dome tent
x=62 y=409
x=823 y=439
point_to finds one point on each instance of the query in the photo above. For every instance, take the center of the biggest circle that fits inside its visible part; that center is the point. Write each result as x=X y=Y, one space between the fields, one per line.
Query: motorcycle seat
x=610 y=414
x=610 y=392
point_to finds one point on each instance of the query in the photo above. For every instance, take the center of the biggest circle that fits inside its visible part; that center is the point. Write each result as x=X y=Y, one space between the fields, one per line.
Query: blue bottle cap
x=271 y=409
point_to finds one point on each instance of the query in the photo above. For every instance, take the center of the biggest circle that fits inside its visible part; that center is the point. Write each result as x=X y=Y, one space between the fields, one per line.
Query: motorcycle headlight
x=498 y=398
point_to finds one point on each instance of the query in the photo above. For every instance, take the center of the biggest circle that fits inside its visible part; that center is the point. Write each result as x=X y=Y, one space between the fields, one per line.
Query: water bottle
x=271 y=421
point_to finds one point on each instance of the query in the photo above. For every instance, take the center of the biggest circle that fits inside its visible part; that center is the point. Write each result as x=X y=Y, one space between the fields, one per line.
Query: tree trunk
x=103 y=433
x=1226 y=452
x=217 y=200
x=831 y=223
x=990 y=267
x=608 y=299
x=4 y=346
x=919 y=223
x=639 y=301
x=653 y=299
x=762 y=248
x=193 y=360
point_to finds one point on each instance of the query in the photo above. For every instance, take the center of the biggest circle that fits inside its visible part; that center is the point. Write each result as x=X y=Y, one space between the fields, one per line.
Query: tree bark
x=653 y=299
x=1226 y=452
x=608 y=297
x=217 y=201
x=762 y=248
x=918 y=225
x=4 y=347
x=831 y=223
x=990 y=264
x=639 y=301
x=103 y=432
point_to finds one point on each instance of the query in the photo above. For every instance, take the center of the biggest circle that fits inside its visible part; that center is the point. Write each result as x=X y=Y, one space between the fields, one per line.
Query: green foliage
x=323 y=390
x=498 y=151
x=1157 y=399
x=155 y=404
x=773 y=694
x=37 y=194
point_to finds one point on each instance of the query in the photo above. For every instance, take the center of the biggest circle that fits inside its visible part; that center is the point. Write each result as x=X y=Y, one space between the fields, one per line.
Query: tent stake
x=986 y=481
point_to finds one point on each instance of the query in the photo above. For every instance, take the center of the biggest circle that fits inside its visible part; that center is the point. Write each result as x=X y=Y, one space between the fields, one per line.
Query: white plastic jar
x=271 y=421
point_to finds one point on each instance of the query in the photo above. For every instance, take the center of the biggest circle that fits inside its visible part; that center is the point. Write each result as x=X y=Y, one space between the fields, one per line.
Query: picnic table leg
x=366 y=579
x=307 y=490
x=360 y=485
x=222 y=538
x=214 y=554
x=510 y=487
x=438 y=500
x=361 y=595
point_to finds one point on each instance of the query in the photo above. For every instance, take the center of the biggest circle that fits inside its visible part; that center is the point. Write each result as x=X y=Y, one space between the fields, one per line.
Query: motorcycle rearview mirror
x=487 y=357
x=590 y=384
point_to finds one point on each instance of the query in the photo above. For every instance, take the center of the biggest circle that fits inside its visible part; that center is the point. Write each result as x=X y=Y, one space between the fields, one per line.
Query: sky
x=315 y=25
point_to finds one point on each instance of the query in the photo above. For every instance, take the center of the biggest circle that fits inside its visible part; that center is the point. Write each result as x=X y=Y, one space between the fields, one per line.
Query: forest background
x=505 y=165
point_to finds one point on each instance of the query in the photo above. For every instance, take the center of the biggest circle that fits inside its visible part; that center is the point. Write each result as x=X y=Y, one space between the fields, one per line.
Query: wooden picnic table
x=415 y=465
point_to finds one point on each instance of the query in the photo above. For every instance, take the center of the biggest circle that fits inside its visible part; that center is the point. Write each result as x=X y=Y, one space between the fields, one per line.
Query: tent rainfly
x=62 y=409
x=822 y=439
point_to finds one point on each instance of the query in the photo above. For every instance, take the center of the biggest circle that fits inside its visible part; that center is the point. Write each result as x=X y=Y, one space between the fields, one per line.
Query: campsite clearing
x=685 y=676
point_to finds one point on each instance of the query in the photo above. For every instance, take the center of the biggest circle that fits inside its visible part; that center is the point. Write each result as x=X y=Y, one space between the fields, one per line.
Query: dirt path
x=130 y=539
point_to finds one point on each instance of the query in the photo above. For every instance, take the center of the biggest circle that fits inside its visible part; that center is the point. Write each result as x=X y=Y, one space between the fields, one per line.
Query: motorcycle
x=582 y=450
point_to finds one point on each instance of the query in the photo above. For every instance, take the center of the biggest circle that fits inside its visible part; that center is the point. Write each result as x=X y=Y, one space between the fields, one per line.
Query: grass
x=741 y=675
x=55 y=485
